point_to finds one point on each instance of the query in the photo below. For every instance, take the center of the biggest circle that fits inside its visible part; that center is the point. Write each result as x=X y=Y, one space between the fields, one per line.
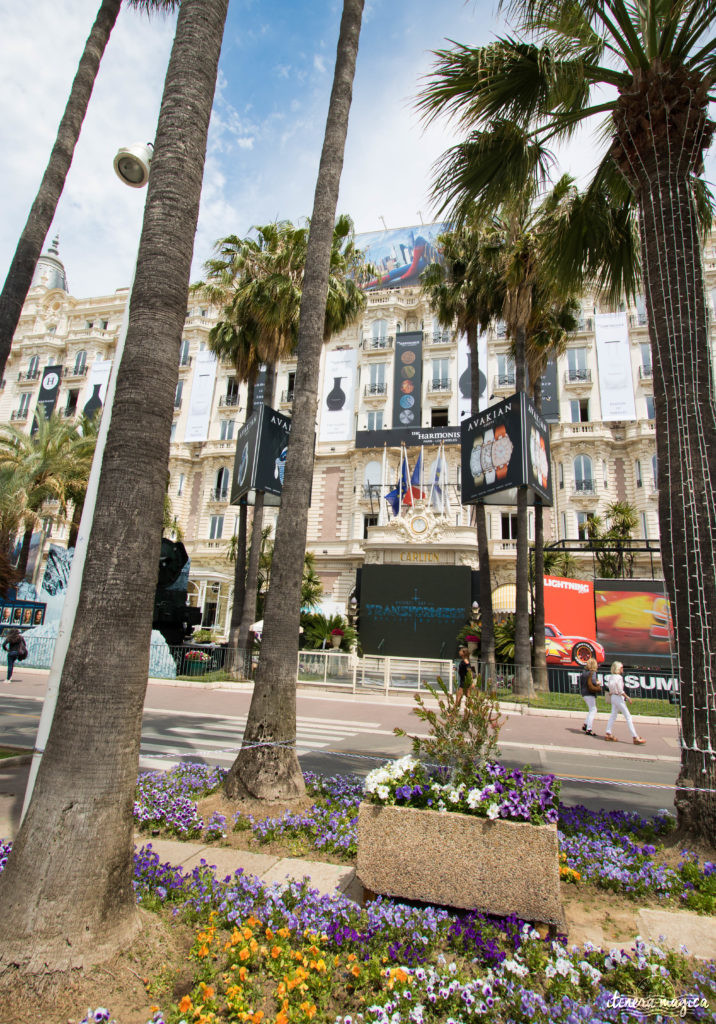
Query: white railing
x=372 y=672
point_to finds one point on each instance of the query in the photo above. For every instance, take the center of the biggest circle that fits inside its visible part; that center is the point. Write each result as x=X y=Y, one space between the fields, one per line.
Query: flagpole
x=447 y=509
x=381 y=508
x=422 y=467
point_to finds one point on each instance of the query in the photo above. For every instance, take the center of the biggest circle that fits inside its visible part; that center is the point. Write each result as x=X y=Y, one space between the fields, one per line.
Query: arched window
x=371 y=479
x=33 y=366
x=583 y=479
x=221 y=491
x=81 y=361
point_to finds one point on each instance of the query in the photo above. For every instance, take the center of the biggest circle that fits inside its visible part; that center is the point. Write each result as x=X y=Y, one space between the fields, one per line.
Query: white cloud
x=319 y=64
x=247 y=143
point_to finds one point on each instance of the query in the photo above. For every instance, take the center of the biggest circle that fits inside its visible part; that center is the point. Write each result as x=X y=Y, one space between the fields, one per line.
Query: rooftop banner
x=616 y=388
x=408 y=379
x=399 y=256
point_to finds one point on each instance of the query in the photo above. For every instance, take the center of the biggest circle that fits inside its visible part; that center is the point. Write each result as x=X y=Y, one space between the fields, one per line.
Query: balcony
x=578 y=375
x=585 y=325
x=646 y=372
x=503 y=382
x=638 y=320
x=287 y=397
x=28 y=376
x=439 y=338
x=219 y=494
x=74 y=371
x=185 y=364
x=230 y=401
x=378 y=390
x=177 y=405
x=19 y=415
x=377 y=344
x=440 y=385
x=584 y=489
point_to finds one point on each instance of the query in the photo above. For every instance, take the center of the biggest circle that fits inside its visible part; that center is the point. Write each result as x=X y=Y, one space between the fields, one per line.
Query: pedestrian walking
x=618 y=698
x=14 y=645
x=463 y=669
x=589 y=687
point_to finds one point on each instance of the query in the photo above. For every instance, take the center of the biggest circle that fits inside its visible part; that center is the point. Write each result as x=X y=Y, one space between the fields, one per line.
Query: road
x=341 y=733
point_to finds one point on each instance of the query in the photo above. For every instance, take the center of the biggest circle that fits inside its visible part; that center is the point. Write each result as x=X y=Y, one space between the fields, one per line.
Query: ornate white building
x=597 y=458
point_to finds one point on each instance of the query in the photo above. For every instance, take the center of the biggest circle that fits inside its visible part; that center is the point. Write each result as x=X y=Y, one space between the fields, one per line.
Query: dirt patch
x=598 y=917
x=154 y=972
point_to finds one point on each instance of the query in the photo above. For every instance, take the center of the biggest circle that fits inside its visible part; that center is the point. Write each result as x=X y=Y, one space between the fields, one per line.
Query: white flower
x=514 y=967
x=493 y=811
x=383 y=793
x=474 y=798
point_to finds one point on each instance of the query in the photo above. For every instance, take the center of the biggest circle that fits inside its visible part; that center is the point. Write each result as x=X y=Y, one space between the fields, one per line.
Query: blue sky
x=267 y=127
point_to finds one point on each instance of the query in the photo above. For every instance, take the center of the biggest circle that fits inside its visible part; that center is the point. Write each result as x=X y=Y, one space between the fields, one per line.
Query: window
x=24 y=403
x=441 y=335
x=203 y=312
x=177 y=394
x=232 y=391
x=650 y=407
x=579 y=408
x=560 y=474
x=509 y=526
x=564 y=526
x=33 y=366
x=184 y=353
x=438 y=418
x=291 y=385
x=104 y=324
x=655 y=471
x=440 y=374
x=645 y=349
x=221 y=488
x=226 y=430
x=583 y=479
x=605 y=474
x=72 y=397
x=637 y=473
x=52 y=329
x=644 y=525
x=505 y=369
x=377 y=374
x=583 y=524
x=173 y=432
x=180 y=485
x=368 y=521
x=216 y=527
x=577 y=364
x=211 y=604
x=47 y=527
x=371 y=478
x=89 y=324
x=375 y=420
x=379 y=333
x=81 y=361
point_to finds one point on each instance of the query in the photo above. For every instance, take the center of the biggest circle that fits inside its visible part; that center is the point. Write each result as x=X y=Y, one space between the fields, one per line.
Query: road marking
x=549 y=748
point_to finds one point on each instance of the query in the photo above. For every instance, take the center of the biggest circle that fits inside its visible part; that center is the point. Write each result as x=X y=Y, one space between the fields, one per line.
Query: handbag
x=22 y=651
x=593 y=687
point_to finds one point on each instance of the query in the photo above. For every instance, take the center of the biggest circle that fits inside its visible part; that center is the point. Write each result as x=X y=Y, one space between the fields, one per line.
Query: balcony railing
x=229 y=401
x=441 y=338
x=585 y=324
x=584 y=487
x=219 y=494
x=28 y=375
x=19 y=415
x=74 y=371
x=287 y=396
x=578 y=375
x=646 y=372
x=377 y=344
x=440 y=384
x=374 y=390
x=637 y=320
x=503 y=380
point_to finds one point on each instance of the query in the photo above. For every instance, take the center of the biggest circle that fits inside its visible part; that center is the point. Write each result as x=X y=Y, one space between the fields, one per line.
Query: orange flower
x=400 y=974
x=185 y=1004
x=309 y=1009
x=281 y=1018
x=355 y=970
x=253 y=945
x=252 y=921
x=247 y=933
x=203 y=950
x=242 y=973
x=206 y=990
x=276 y=952
x=244 y=954
x=283 y=933
x=257 y=1017
x=269 y=934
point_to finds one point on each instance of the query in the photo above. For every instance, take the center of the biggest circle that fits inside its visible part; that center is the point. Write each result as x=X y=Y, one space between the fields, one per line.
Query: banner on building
x=503 y=448
x=337 y=421
x=202 y=393
x=408 y=379
x=400 y=255
x=260 y=459
x=550 y=392
x=49 y=388
x=616 y=389
x=464 y=375
x=638 y=683
x=97 y=382
x=405 y=436
x=260 y=387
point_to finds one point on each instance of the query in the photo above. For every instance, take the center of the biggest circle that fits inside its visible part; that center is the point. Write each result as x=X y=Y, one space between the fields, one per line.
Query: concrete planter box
x=458 y=860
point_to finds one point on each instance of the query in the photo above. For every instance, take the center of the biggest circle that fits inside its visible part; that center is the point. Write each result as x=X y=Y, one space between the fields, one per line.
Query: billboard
x=49 y=387
x=634 y=622
x=505 y=447
x=338 y=400
x=399 y=256
x=550 y=392
x=616 y=390
x=260 y=458
x=464 y=370
x=413 y=611
x=412 y=438
x=408 y=379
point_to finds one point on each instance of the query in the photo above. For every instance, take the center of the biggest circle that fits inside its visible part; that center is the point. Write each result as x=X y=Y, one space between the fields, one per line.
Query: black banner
x=638 y=682
x=260 y=457
x=49 y=388
x=550 y=392
x=411 y=438
x=260 y=387
x=408 y=379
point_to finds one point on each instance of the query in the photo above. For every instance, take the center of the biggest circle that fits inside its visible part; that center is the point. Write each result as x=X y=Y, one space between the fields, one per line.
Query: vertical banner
x=464 y=371
x=202 y=392
x=49 y=387
x=408 y=379
x=616 y=389
x=550 y=392
x=338 y=400
x=260 y=388
x=97 y=382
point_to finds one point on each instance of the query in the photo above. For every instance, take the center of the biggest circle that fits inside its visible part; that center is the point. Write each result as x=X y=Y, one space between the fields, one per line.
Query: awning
x=504 y=599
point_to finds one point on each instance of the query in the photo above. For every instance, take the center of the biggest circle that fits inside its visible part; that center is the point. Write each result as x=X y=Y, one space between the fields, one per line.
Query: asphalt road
x=338 y=733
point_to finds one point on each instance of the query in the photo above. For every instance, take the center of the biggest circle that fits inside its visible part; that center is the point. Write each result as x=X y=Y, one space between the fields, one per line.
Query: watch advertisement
x=408 y=379
x=504 y=447
x=464 y=375
x=260 y=457
x=49 y=387
x=337 y=406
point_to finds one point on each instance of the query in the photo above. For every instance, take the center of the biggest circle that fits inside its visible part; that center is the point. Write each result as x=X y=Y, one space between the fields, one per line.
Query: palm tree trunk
x=686 y=449
x=75 y=523
x=67 y=886
x=487 y=621
x=24 y=555
x=539 y=647
x=272 y=770
x=523 y=653
x=42 y=211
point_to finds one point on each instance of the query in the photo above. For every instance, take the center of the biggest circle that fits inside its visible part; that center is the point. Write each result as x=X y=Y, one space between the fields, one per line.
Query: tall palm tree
x=465 y=290
x=648 y=71
x=44 y=463
x=267 y=765
x=19 y=276
x=67 y=886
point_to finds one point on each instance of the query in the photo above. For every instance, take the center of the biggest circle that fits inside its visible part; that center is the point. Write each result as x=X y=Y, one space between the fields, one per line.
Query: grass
x=574 y=702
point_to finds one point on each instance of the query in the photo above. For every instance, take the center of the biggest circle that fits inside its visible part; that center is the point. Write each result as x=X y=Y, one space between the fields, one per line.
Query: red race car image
x=570 y=650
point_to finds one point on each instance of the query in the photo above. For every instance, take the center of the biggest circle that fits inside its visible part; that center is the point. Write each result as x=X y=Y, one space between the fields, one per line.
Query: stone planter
x=458 y=860
x=471 y=646
x=336 y=640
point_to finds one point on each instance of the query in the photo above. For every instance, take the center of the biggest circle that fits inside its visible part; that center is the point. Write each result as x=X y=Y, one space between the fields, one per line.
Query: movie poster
x=400 y=255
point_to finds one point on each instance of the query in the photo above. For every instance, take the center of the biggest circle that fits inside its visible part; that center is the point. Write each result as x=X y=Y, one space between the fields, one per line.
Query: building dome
x=50 y=271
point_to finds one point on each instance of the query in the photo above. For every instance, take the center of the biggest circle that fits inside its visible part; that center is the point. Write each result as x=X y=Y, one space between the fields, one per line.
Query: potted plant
x=472 y=640
x=196 y=662
x=337 y=635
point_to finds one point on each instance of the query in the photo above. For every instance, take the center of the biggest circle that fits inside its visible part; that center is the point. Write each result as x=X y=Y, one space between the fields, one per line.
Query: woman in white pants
x=619 y=697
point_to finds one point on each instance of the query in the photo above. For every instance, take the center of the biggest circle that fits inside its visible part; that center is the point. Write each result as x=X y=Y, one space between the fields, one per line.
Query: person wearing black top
x=14 y=645
x=589 y=688
x=462 y=671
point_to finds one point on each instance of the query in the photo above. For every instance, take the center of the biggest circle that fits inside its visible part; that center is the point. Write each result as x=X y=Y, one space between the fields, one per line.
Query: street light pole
x=132 y=167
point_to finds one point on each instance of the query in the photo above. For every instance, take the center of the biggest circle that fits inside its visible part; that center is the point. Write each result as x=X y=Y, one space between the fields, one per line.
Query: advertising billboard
x=634 y=622
x=408 y=379
x=338 y=400
x=400 y=255
x=412 y=438
x=413 y=611
x=570 y=627
x=260 y=457
x=505 y=447
x=49 y=388
x=616 y=389
x=202 y=393
x=550 y=392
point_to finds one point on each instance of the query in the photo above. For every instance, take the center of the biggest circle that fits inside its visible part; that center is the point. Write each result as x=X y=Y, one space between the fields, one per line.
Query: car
x=570 y=650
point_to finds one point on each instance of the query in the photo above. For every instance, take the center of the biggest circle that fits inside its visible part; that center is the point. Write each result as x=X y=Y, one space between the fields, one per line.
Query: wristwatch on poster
x=543 y=463
x=476 y=461
x=501 y=452
x=487 y=461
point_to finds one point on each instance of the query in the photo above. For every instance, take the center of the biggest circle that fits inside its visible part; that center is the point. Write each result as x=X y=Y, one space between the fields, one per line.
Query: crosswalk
x=217 y=738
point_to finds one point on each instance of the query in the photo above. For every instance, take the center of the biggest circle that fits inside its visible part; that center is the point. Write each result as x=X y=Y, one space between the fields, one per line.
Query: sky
x=275 y=76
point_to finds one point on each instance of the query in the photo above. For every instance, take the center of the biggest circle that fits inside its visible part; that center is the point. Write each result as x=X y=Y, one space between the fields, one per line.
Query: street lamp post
x=132 y=167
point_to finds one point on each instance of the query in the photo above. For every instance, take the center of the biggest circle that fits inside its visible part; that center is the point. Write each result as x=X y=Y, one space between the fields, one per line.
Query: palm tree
x=42 y=211
x=67 y=886
x=272 y=770
x=657 y=62
x=43 y=461
x=465 y=290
